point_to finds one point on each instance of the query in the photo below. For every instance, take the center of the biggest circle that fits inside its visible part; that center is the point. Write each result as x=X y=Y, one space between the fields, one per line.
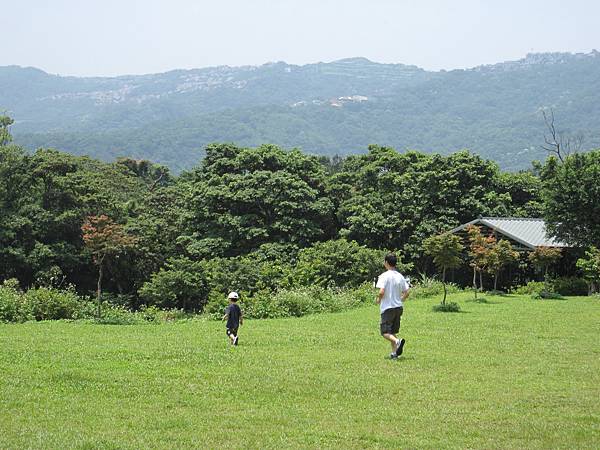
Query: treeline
x=256 y=220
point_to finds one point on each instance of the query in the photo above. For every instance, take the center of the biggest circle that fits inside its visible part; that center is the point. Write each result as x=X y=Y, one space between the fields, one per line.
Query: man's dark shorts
x=232 y=331
x=390 y=320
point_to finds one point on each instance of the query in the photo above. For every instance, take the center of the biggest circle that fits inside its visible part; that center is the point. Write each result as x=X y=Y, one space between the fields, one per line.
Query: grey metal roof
x=529 y=232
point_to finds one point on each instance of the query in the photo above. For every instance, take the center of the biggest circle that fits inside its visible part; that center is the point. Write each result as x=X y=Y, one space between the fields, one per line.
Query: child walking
x=233 y=315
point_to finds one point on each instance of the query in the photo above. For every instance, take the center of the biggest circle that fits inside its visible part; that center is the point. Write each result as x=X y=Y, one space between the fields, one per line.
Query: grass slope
x=514 y=373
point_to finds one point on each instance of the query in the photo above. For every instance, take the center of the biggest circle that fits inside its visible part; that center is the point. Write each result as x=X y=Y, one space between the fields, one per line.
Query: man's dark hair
x=391 y=259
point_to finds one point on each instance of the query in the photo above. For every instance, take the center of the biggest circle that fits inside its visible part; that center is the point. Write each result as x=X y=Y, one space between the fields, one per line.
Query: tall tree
x=479 y=248
x=590 y=266
x=103 y=238
x=499 y=256
x=543 y=257
x=445 y=249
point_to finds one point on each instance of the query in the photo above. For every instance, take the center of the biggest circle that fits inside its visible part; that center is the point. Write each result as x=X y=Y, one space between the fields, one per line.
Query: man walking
x=393 y=291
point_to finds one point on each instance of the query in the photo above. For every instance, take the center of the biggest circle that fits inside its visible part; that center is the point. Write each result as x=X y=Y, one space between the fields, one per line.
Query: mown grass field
x=514 y=373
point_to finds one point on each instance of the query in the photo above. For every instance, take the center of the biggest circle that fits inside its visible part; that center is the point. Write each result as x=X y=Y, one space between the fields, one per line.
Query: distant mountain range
x=324 y=108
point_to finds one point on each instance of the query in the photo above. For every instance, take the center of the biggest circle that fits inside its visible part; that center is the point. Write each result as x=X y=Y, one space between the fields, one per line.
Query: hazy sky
x=115 y=37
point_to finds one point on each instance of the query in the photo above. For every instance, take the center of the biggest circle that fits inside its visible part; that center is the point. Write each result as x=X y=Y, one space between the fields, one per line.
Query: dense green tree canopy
x=391 y=200
x=244 y=198
x=572 y=198
x=44 y=199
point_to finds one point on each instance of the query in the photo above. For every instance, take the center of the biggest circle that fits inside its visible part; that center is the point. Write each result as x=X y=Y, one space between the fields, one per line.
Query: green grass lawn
x=514 y=373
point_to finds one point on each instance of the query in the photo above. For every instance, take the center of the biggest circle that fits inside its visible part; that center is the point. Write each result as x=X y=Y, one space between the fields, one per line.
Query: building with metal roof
x=524 y=233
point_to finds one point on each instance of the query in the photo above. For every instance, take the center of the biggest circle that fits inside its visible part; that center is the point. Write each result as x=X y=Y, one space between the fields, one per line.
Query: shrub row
x=295 y=302
x=54 y=304
x=562 y=286
x=36 y=304
x=315 y=299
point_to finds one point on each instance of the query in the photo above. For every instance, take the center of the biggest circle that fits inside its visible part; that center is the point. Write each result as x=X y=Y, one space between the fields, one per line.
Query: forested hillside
x=324 y=108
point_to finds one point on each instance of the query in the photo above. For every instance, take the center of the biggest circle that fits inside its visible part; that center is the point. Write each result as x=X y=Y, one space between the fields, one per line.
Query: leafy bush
x=266 y=269
x=448 y=307
x=496 y=292
x=118 y=315
x=112 y=298
x=562 y=286
x=182 y=284
x=570 y=286
x=13 y=307
x=339 y=263
x=88 y=309
x=217 y=302
x=547 y=295
x=362 y=295
x=479 y=300
x=294 y=302
x=157 y=315
x=531 y=288
x=428 y=286
x=260 y=306
x=171 y=315
x=303 y=301
x=42 y=304
x=52 y=304
x=149 y=313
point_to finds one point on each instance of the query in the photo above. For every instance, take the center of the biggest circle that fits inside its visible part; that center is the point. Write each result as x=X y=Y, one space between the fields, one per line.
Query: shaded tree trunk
x=99 y=288
x=444 y=299
x=546 y=280
x=115 y=277
x=444 y=284
x=475 y=281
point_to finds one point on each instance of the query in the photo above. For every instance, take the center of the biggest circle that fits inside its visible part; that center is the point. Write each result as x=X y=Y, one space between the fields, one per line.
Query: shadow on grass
x=445 y=309
x=482 y=300
x=400 y=359
x=448 y=307
x=497 y=293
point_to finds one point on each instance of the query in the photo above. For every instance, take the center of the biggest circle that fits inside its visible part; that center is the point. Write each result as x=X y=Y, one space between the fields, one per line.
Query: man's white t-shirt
x=394 y=285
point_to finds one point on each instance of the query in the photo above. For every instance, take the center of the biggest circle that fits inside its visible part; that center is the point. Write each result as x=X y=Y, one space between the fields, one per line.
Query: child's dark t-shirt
x=234 y=311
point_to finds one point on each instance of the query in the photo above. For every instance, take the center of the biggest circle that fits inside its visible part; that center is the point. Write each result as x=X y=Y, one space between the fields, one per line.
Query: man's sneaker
x=393 y=356
x=235 y=340
x=400 y=347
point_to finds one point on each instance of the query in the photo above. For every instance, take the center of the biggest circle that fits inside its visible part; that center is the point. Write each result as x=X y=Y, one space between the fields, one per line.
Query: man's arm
x=380 y=295
x=405 y=294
